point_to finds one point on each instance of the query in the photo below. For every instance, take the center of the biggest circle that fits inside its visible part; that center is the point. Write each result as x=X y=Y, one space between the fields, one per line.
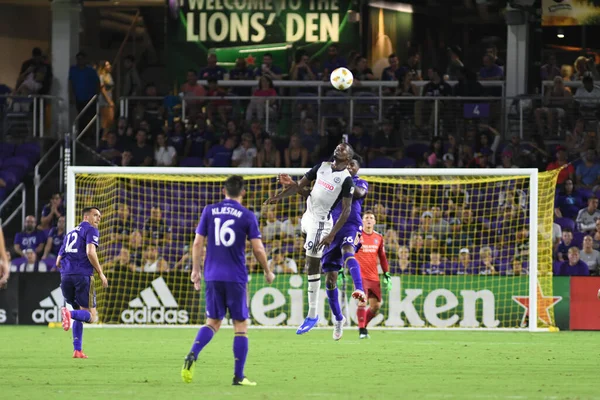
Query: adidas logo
x=155 y=304
x=50 y=308
x=3 y=316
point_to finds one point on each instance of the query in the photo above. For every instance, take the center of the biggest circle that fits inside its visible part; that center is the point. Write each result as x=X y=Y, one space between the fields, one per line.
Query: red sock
x=370 y=316
x=361 y=315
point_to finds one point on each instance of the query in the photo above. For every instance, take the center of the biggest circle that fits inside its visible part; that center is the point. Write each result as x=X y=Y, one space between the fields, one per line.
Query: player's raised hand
x=269 y=277
x=272 y=200
x=3 y=281
x=387 y=281
x=104 y=280
x=285 y=180
x=326 y=241
x=196 y=278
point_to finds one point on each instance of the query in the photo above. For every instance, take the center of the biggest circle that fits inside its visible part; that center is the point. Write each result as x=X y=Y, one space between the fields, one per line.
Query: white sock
x=314 y=287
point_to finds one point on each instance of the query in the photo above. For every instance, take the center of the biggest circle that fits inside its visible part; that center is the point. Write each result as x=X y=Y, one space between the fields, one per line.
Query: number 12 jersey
x=73 y=252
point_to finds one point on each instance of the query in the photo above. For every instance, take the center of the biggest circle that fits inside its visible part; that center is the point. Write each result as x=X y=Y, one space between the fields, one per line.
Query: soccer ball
x=341 y=78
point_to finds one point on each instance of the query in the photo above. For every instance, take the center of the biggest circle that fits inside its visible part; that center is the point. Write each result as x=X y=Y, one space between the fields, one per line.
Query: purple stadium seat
x=417 y=150
x=10 y=178
x=565 y=223
x=405 y=163
x=578 y=239
x=31 y=151
x=585 y=193
x=382 y=162
x=7 y=150
x=191 y=162
x=19 y=162
x=556 y=266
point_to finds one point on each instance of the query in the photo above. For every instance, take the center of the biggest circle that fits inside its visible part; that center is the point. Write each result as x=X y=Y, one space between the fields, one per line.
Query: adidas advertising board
x=40 y=298
x=9 y=301
x=155 y=305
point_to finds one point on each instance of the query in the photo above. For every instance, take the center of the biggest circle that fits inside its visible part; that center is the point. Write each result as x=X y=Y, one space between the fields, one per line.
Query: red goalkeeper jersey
x=371 y=249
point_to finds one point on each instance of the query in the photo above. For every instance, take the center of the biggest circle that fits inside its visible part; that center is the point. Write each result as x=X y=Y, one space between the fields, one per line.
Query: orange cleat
x=66 y=318
x=79 y=354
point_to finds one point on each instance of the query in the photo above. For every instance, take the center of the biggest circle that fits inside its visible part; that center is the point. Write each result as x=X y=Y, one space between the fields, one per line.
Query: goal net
x=466 y=248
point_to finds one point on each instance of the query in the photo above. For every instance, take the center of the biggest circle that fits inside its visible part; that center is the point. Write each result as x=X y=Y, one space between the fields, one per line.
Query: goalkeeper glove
x=341 y=278
x=387 y=280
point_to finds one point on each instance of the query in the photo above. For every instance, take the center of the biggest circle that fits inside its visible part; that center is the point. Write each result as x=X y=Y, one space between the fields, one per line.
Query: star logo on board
x=544 y=304
x=250 y=60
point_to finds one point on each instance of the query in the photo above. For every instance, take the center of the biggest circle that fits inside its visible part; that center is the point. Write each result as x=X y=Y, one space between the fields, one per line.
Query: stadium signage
x=3 y=317
x=249 y=21
x=155 y=305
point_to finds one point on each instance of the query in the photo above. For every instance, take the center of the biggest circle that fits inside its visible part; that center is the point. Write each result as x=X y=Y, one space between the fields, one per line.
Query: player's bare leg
x=333 y=296
x=313 y=267
x=354 y=271
x=204 y=336
x=77 y=317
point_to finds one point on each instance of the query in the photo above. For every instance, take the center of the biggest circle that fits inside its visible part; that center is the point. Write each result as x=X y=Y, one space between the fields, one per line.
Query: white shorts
x=315 y=230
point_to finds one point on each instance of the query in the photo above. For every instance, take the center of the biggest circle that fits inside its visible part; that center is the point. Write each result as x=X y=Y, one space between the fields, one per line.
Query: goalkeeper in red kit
x=371 y=250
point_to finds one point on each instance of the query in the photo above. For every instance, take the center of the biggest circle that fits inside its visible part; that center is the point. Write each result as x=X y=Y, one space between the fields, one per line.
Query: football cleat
x=187 y=372
x=363 y=333
x=66 y=318
x=79 y=354
x=338 y=329
x=307 y=325
x=359 y=295
x=242 y=382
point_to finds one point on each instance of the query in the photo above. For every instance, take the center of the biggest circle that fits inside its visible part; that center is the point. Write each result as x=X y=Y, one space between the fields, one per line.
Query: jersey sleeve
x=92 y=236
x=202 y=228
x=361 y=183
x=18 y=238
x=348 y=187
x=312 y=174
x=253 y=231
x=382 y=257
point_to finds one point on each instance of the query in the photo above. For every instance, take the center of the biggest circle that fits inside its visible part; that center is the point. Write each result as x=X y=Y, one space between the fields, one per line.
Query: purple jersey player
x=77 y=260
x=224 y=228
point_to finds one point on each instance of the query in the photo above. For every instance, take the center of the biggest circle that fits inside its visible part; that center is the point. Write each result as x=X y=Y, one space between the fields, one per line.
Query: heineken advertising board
x=251 y=28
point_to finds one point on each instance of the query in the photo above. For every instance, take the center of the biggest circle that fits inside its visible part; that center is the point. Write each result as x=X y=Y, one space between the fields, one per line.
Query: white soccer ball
x=341 y=78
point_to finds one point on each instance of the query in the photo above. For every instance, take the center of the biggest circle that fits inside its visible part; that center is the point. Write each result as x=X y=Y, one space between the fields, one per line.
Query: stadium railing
x=22 y=190
x=33 y=113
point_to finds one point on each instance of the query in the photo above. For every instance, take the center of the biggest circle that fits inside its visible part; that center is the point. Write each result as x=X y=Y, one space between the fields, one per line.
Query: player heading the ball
x=224 y=228
x=76 y=261
x=333 y=184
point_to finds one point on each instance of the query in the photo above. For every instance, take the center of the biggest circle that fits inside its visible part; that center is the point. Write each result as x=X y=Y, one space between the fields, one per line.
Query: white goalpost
x=453 y=300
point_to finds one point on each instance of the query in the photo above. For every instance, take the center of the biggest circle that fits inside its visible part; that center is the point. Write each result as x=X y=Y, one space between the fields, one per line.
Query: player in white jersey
x=333 y=183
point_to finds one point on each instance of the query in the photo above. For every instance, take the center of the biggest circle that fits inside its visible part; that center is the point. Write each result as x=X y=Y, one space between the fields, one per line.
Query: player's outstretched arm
x=4 y=265
x=289 y=191
x=261 y=256
x=90 y=250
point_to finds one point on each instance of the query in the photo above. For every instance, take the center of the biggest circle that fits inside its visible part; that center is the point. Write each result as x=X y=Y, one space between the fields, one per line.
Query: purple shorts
x=78 y=291
x=222 y=296
x=332 y=259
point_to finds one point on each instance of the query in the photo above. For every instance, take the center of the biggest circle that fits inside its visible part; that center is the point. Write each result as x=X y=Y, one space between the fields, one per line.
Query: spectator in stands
x=125 y=133
x=574 y=266
x=584 y=67
x=198 y=139
x=416 y=246
x=300 y=70
x=550 y=70
x=84 y=84
x=486 y=260
x=556 y=236
x=191 y=88
x=588 y=172
x=456 y=199
x=455 y=65
x=220 y=155
x=121 y=263
x=458 y=238
x=310 y=136
x=435 y=266
x=507 y=160
x=177 y=137
x=271 y=230
x=556 y=101
x=268 y=69
x=568 y=170
x=484 y=132
x=412 y=67
x=156 y=229
x=135 y=247
x=55 y=239
x=185 y=262
x=241 y=72
x=296 y=155
x=258 y=103
x=465 y=265
x=404 y=265
x=467 y=85
x=258 y=133
x=490 y=70
x=538 y=156
x=359 y=141
x=518 y=150
x=449 y=160
x=221 y=106
x=52 y=211
x=212 y=70
x=164 y=154
x=268 y=156
x=436 y=87
x=132 y=84
x=588 y=98
x=596 y=235
x=362 y=72
x=516 y=268
x=245 y=154
x=31 y=263
x=280 y=264
x=291 y=228
x=576 y=140
x=492 y=51
x=334 y=61
x=566 y=72
x=386 y=142
x=586 y=218
x=29 y=238
x=590 y=256
x=150 y=109
x=122 y=225
x=39 y=66
x=152 y=261
x=105 y=99
x=109 y=150
x=390 y=73
x=141 y=154
x=565 y=244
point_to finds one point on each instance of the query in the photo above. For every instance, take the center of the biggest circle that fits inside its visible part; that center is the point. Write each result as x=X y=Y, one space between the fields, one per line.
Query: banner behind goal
x=467 y=248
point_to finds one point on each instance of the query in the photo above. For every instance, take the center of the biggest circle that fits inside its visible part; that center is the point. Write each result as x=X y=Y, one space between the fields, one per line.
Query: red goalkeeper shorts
x=372 y=289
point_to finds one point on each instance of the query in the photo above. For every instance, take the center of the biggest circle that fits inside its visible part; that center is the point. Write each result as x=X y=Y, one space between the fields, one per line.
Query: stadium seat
x=578 y=238
x=30 y=151
x=382 y=162
x=191 y=162
x=405 y=163
x=565 y=223
x=10 y=178
x=417 y=150
x=19 y=162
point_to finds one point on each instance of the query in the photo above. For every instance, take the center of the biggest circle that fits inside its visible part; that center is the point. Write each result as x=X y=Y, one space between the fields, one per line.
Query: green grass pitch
x=133 y=364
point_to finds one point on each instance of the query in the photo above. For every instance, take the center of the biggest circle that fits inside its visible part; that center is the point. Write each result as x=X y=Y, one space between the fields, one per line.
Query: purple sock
x=81 y=315
x=77 y=334
x=204 y=336
x=334 y=303
x=354 y=270
x=240 y=352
